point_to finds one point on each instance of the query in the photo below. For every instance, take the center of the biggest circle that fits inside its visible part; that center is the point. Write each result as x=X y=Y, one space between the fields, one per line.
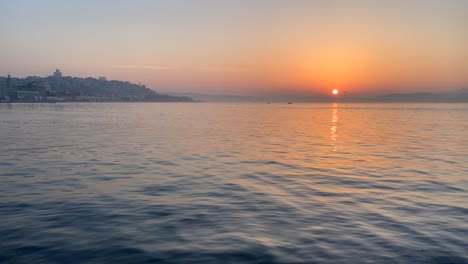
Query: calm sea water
x=233 y=183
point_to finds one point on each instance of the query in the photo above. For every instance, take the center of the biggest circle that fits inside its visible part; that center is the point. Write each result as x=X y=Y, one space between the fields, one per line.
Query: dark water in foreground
x=227 y=183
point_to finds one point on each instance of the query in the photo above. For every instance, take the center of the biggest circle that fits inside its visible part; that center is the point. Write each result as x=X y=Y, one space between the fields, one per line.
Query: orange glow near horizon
x=296 y=47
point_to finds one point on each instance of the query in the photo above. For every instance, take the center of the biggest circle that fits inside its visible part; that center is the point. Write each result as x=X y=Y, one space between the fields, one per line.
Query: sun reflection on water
x=334 y=121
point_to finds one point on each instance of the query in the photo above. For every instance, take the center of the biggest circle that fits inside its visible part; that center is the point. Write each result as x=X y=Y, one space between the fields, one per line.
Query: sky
x=243 y=47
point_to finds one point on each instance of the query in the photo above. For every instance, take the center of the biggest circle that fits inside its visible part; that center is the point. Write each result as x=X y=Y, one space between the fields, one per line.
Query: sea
x=233 y=183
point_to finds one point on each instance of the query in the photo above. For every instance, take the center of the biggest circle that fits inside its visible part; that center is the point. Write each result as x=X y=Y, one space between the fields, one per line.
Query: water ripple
x=233 y=183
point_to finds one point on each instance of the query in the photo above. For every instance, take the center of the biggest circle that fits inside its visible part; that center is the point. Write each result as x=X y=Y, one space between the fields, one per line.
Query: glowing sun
x=335 y=91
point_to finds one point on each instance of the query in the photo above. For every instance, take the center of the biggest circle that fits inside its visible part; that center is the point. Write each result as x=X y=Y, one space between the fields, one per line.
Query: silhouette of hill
x=457 y=96
x=92 y=89
x=218 y=97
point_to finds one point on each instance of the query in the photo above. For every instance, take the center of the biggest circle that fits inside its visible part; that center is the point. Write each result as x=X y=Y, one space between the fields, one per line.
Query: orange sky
x=239 y=47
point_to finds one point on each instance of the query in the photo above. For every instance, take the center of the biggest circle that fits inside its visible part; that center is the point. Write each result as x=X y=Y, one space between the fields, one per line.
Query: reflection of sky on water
x=104 y=182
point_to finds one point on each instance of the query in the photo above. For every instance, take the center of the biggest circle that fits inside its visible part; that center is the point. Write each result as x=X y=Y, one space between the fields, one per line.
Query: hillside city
x=59 y=88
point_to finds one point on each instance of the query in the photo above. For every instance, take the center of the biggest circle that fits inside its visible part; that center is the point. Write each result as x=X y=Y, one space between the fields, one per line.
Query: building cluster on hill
x=58 y=88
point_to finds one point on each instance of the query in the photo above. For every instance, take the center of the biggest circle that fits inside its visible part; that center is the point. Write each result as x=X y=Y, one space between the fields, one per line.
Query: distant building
x=32 y=91
x=102 y=78
x=5 y=89
x=2 y=91
x=57 y=74
x=28 y=95
x=8 y=81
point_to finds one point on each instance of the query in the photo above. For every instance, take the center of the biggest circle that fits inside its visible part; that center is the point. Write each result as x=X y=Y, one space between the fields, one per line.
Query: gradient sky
x=243 y=47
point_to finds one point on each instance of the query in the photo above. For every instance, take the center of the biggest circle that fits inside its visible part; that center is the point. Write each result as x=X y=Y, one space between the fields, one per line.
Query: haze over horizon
x=243 y=48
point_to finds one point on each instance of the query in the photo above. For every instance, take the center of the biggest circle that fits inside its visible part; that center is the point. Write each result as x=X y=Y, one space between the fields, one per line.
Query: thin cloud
x=144 y=67
x=220 y=69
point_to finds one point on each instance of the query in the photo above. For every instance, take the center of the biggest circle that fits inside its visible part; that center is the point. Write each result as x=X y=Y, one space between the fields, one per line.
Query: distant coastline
x=454 y=96
x=58 y=88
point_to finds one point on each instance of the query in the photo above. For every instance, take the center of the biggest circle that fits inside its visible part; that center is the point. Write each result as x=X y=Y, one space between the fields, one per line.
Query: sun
x=335 y=91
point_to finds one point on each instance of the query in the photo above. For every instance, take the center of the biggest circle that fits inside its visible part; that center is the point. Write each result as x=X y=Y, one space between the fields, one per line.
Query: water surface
x=233 y=183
